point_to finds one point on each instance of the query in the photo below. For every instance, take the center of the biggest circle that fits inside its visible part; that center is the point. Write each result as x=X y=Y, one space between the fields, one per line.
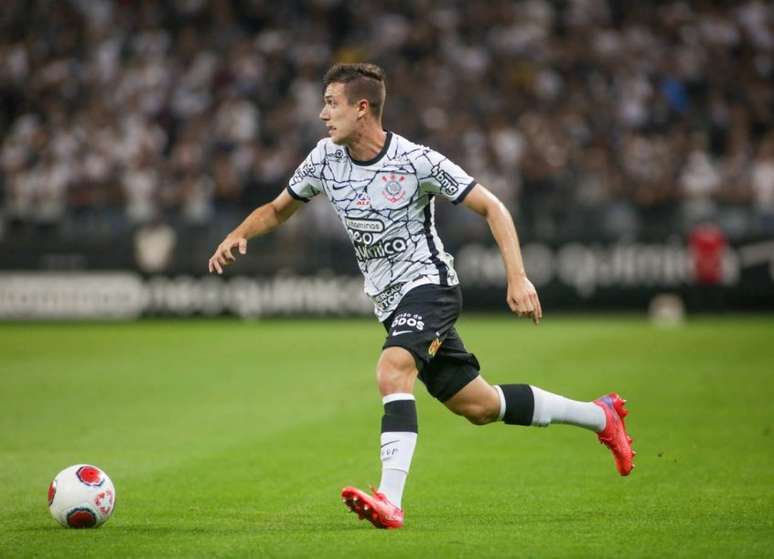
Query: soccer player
x=383 y=188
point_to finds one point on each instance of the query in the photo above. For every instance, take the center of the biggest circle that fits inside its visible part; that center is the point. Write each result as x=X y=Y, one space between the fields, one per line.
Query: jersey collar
x=378 y=156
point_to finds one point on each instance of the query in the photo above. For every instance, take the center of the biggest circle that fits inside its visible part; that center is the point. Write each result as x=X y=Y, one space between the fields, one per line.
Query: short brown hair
x=361 y=81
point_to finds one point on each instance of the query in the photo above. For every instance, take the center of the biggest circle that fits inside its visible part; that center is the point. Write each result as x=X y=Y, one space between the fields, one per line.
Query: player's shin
x=398 y=440
x=522 y=404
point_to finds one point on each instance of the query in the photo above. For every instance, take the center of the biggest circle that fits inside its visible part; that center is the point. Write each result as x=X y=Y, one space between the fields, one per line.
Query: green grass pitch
x=233 y=439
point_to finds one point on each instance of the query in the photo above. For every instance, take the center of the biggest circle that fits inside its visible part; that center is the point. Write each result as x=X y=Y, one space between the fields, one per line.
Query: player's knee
x=392 y=380
x=396 y=371
x=478 y=402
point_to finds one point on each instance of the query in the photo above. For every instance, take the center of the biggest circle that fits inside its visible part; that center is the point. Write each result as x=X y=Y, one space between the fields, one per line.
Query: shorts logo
x=393 y=189
x=409 y=320
x=433 y=349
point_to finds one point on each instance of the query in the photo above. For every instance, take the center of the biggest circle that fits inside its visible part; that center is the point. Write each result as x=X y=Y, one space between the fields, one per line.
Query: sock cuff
x=397 y=396
x=519 y=404
x=502 y=402
x=400 y=416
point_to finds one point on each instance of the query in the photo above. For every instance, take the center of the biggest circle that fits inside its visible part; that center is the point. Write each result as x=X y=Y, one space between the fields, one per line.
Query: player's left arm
x=522 y=297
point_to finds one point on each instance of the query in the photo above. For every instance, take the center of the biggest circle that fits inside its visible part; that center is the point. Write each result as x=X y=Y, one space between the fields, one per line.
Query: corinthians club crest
x=393 y=188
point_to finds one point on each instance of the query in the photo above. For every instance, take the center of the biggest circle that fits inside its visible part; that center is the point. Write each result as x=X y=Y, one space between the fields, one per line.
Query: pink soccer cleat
x=614 y=435
x=375 y=508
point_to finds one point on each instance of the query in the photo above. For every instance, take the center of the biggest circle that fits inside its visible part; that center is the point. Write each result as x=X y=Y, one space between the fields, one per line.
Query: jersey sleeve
x=306 y=182
x=439 y=175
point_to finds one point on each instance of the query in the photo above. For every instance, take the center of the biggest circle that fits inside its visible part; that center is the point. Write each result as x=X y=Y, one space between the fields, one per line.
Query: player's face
x=338 y=115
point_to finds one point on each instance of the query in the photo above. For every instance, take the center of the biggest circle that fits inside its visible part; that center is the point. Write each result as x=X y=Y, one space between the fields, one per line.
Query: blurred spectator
x=763 y=184
x=589 y=118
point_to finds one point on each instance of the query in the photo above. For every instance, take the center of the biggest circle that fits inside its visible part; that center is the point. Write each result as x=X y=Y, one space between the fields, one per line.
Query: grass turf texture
x=230 y=439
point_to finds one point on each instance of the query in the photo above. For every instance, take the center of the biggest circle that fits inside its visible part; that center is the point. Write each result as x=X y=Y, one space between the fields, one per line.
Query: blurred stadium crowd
x=591 y=119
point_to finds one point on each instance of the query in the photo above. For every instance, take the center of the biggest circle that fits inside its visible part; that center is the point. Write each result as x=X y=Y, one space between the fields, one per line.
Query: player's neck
x=367 y=143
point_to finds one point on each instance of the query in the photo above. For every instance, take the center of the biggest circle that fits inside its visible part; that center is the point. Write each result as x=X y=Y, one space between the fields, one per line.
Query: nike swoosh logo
x=391 y=442
x=399 y=332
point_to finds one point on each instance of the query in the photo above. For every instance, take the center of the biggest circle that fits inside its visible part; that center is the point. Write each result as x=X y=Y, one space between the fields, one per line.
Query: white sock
x=397 y=450
x=552 y=408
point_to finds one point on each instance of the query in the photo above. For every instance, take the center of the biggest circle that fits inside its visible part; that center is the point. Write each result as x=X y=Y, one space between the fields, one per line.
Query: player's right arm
x=262 y=220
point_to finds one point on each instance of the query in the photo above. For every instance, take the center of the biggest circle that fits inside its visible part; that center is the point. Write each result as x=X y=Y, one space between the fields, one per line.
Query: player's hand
x=523 y=299
x=223 y=256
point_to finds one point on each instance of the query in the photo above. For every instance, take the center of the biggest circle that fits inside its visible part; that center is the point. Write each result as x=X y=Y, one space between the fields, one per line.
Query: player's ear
x=363 y=106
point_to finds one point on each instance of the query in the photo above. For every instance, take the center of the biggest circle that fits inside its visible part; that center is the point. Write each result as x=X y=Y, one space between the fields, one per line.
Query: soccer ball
x=81 y=496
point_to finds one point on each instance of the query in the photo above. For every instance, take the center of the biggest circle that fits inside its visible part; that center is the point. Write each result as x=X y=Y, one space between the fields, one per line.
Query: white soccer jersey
x=386 y=205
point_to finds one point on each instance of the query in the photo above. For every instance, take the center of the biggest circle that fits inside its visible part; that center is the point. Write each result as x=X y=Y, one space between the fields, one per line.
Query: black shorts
x=423 y=324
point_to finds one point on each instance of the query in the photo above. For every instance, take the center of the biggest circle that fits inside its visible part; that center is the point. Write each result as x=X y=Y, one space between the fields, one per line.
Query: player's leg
x=453 y=378
x=478 y=402
x=396 y=373
x=522 y=404
x=415 y=332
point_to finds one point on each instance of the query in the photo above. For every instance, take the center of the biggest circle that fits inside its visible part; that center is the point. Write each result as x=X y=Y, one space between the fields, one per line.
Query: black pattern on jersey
x=387 y=209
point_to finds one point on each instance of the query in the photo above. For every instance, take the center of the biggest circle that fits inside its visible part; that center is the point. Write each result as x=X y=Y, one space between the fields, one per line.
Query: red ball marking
x=51 y=492
x=89 y=475
x=104 y=501
x=81 y=518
